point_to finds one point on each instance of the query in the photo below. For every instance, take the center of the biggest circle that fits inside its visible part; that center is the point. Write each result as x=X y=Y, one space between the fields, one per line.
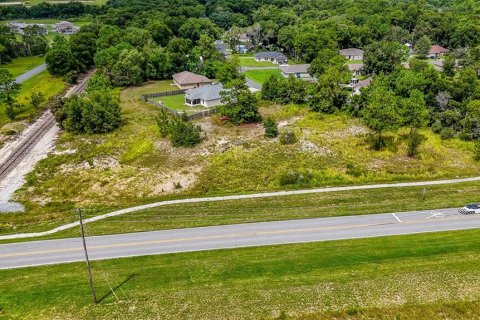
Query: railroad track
x=34 y=137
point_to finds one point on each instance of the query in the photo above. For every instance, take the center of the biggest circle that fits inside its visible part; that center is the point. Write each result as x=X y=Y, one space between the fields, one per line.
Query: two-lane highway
x=34 y=253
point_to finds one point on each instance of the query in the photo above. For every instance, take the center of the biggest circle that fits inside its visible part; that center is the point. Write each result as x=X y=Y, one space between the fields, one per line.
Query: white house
x=207 y=96
x=299 y=71
x=352 y=53
x=188 y=80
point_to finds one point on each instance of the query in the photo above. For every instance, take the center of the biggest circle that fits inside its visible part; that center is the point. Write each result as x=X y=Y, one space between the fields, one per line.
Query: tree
x=193 y=28
x=60 y=59
x=381 y=113
x=128 y=70
x=239 y=104
x=229 y=71
x=449 y=65
x=415 y=115
x=158 y=64
x=99 y=83
x=83 y=47
x=181 y=132
x=271 y=87
x=327 y=94
x=9 y=89
x=271 y=128
x=325 y=58
x=179 y=53
x=36 y=98
x=471 y=122
x=160 y=32
x=422 y=47
x=109 y=36
x=477 y=150
x=384 y=56
x=35 y=40
x=98 y=112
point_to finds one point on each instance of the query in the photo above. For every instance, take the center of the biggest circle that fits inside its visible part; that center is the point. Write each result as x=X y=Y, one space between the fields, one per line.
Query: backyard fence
x=145 y=97
x=195 y=116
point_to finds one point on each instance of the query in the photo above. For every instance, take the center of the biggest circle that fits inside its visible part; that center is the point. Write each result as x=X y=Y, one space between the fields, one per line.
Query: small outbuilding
x=207 y=96
x=352 y=53
x=188 y=80
x=272 y=56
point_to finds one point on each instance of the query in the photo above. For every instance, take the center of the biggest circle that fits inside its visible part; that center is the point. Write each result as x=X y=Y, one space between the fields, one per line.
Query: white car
x=470 y=209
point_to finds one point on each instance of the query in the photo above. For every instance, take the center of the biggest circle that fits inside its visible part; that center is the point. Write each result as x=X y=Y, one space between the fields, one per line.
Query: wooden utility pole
x=89 y=269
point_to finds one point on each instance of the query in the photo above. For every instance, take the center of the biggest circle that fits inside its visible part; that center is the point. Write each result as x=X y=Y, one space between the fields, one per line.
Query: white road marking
x=396 y=217
x=436 y=215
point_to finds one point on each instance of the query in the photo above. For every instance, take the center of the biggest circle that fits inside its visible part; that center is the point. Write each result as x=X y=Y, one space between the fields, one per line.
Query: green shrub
x=477 y=150
x=184 y=134
x=414 y=141
x=295 y=177
x=288 y=137
x=271 y=128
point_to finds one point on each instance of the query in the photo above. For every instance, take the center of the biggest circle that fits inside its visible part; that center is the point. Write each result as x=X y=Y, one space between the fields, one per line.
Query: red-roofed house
x=437 y=50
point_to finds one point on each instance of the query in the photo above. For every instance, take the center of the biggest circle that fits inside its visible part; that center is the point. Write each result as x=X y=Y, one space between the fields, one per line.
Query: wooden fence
x=145 y=97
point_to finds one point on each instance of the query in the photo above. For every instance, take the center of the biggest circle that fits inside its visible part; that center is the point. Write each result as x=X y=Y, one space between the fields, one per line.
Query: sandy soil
x=15 y=179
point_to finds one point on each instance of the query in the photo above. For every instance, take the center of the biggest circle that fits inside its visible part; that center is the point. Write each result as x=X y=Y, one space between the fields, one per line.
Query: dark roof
x=296 y=68
x=187 y=77
x=271 y=55
x=363 y=83
x=209 y=92
x=351 y=52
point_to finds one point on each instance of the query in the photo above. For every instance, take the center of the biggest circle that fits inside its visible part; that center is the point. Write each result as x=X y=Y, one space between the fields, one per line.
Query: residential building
x=299 y=71
x=65 y=27
x=352 y=53
x=222 y=47
x=207 y=96
x=355 y=69
x=188 y=80
x=360 y=84
x=436 y=51
x=241 y=48
x=272 y=56
x=19 y=27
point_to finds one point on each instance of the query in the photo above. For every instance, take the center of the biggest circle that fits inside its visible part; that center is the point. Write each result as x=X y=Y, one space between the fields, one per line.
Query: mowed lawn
x=249 y=61
x=427 y=276
x=260 y=76
x=20 y=65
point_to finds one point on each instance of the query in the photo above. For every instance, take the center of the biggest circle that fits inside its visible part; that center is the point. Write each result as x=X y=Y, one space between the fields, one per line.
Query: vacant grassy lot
x=21 y=65
x=260 y=76
x=425 y=276
x=134 y=165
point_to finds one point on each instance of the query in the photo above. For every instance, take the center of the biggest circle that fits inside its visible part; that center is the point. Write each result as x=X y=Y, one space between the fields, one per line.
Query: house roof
x=208 y=93
x=186 y=77
x=351 y=52
x=296 y=68
x=436 y=49
x=270 y=55
x=355 y=66
x=221 y=46
x=363 y=83
x=64 y=24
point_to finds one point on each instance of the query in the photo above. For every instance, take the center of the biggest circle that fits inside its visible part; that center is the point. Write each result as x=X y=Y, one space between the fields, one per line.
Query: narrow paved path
x=253 y=85
x=238 y=197
x=17 y=255
x=27 y=75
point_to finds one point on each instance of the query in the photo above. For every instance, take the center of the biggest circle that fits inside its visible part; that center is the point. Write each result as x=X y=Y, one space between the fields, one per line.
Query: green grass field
x=428 y=276
x=260 y=76
x=21 y=65
x=42 y=82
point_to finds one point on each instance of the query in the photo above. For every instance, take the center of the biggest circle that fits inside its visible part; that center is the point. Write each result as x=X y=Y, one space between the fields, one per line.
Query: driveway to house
x=27 y=75
x=18 y=255
x=252 y=85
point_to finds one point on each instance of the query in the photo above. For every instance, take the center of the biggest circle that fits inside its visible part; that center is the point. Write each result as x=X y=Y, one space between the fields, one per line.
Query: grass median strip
x=352 y=278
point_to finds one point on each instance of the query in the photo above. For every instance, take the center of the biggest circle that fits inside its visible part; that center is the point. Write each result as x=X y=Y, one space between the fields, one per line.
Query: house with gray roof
x=222 y=47
x=65 y=27
x=188 y=80
x=352 y=53
x=272 y=56
x=207 y=96
x=299 y=71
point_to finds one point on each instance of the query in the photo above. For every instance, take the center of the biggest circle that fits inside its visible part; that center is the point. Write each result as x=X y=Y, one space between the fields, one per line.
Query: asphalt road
x=27 y=75
x=17 y=255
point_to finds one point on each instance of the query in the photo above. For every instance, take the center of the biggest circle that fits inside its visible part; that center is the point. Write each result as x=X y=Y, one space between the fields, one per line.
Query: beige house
x=188 y=80
x=299 y=71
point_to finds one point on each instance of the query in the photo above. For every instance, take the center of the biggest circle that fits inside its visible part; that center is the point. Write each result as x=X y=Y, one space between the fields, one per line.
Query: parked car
x=470 y=209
